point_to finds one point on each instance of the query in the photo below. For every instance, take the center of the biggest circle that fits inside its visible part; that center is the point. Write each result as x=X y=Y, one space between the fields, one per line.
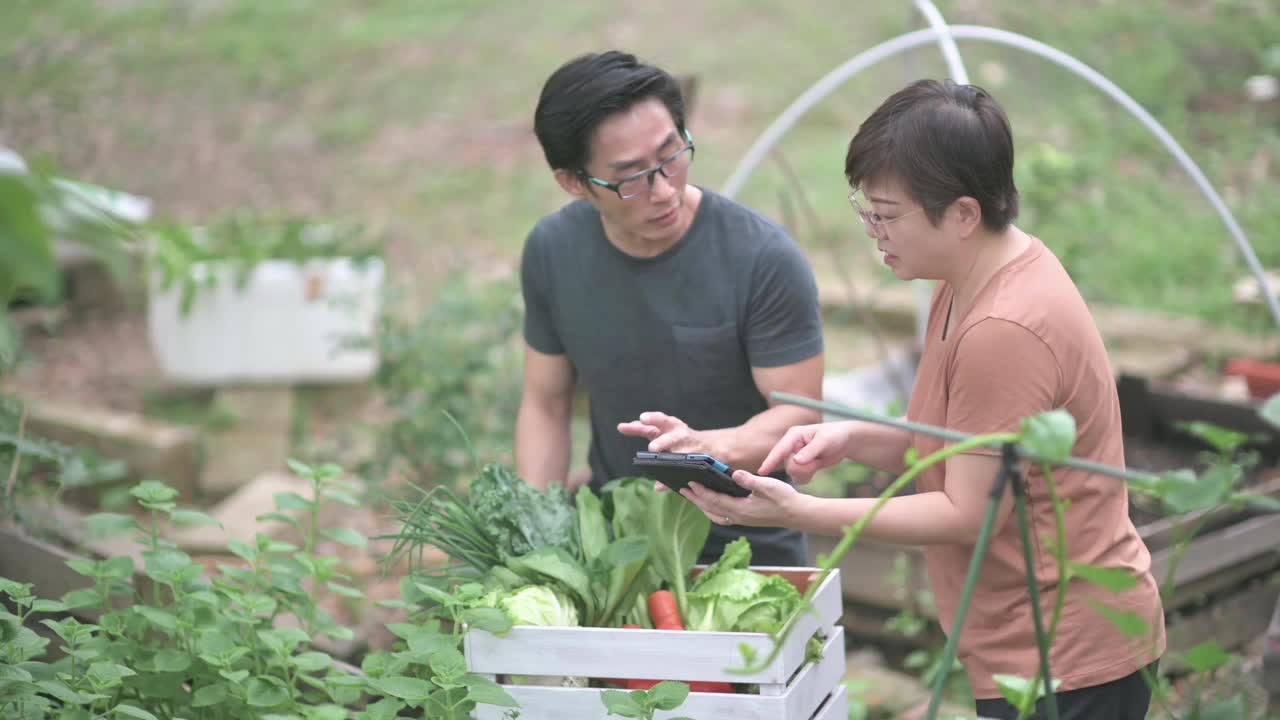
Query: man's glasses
x=875 y=224
x=642 y=182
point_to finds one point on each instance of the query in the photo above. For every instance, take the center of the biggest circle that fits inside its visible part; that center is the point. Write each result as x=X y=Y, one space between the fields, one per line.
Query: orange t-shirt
x=1027 y=345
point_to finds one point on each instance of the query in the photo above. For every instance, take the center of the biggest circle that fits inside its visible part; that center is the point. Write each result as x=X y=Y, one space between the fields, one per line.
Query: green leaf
x=209 y=695
x=679 y=530
x=405 y=688
x=668 y=694
x=1232 y=709
x=311 y=661
x=384 y=709
x=60 y=691
x=153 y=491
x=1126 y=621
x=243 y=550
x=341 y=497
x=617 y=702
x=345 y=590
x=1205 y=657
x=279 y=517
x=100 y=525
x=237 y=676
x=48 y=606
x=1112 y=579
x=291 y=501
x=192 y=518
x=106 y=675
x=133 y=712
x=487 y=692
x=1270 y=410
x=592 y=533
x=1181 y=491
x=1223 y=440
x=490 y=620
x=346 y=536
x=1050 y=435
x=1265 y=503
x=266 y=691
x=26 y=256
x=449 y=665
x=171 y=660
x=161 y=619
x=1018 y=690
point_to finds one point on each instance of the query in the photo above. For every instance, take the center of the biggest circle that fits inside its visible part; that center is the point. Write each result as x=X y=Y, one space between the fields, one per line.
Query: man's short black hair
x=942 y=141
x=586 y=90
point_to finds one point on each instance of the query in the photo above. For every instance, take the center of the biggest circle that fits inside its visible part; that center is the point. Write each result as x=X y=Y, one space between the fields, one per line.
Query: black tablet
x=677 y=470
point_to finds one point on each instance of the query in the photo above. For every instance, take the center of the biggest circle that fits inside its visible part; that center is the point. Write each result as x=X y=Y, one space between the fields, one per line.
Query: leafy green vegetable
x=679 y=530
x=540 y=605
x=728 y=597
x=519 y=517
x=503 y=517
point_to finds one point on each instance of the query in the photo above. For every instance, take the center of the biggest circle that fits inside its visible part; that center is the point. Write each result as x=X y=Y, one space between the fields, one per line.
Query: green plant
x=195 y=258
x=666 y=695
x=169 y=642
x=451 y=373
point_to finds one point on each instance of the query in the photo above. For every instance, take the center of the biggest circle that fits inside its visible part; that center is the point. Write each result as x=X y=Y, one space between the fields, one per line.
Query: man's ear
x=966 y=213
x=571 y=182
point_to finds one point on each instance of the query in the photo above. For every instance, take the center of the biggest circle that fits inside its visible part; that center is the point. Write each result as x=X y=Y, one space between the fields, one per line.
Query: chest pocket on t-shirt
x=709 y=359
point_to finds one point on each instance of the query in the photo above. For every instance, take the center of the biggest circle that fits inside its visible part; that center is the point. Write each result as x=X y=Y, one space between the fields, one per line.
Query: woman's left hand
x=770 y=504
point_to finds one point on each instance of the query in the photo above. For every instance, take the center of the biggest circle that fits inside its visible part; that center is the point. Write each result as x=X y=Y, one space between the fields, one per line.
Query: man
x=678 y=310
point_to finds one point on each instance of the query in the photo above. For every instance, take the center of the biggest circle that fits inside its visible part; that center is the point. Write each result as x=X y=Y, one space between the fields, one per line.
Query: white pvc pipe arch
x=756 y=154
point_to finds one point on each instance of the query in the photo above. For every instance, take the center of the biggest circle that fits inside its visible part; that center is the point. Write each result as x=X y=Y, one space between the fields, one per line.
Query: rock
x=152 y=449
x=257 y=442
x=238 y=514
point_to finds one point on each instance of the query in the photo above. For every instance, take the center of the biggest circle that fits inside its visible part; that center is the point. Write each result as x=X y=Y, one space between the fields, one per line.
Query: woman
x=1009 y=336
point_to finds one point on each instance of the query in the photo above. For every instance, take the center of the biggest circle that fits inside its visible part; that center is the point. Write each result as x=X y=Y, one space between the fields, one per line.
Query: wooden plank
x=1222 y=549
x=27 y=559
x=651 y=654
x=812 y=686
x=1231 y=622
x=836 y=707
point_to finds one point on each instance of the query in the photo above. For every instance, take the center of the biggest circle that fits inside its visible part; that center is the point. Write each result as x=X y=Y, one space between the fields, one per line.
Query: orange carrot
x=666 y=616
x=663 y=611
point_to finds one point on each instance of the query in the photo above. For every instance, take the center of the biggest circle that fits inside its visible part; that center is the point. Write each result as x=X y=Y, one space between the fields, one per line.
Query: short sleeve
x=1001 y=373
x=784 y=320
x=535 y=282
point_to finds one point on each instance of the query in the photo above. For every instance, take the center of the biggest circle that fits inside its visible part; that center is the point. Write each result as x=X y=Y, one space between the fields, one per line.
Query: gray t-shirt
x=678 y=332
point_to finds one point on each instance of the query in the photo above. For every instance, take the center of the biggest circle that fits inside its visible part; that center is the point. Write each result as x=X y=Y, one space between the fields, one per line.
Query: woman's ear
x=966 y=213
x=571 y=182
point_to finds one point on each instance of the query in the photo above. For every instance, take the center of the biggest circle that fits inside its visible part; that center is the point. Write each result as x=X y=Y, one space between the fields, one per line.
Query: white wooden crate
x=790 y=689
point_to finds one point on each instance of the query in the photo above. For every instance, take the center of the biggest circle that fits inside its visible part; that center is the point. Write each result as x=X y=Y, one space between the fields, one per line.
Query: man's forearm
x=542 y=446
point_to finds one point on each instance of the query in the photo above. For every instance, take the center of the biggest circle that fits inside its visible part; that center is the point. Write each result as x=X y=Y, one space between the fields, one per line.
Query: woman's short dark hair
x=586 y=90
x=942 y=141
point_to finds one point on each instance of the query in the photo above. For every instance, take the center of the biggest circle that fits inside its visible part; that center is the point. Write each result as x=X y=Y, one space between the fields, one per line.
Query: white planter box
x=790 y=688
x=287 y=324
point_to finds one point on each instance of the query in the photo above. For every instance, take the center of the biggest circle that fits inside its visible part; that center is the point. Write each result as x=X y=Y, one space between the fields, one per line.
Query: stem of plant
x=1060 y=556
x=1033 y=590
x=854 y=531
x=966 y=594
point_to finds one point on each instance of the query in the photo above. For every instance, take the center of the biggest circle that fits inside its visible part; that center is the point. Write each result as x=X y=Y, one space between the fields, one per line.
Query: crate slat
x=652 y=654
x=814 y=694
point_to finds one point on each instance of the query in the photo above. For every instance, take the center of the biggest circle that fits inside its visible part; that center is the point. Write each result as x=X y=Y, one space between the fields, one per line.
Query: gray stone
x=238 y=514
x=152 y=449
x=257 y=441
